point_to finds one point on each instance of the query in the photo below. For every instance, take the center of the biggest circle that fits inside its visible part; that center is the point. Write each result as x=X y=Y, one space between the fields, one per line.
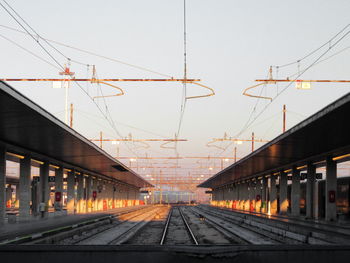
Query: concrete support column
x=295 y=194
x=80 y=193
x=71 y=192
x=45 y=191
x=246 y=194
x=264 y=195
x=59 y=188
x=251 y=196
x=273 y=195
x=2 y=184
x=258 y=196
x=254 y=193
x=89 y=189
x=316 y=201
x=114 y=205
x=137 y=194
x=283 y=184
x=240 y=196
x=99 y=195
x=310 y=190
x=331 y=190
x=110 y=195
x=94 y=200
x=24 y=189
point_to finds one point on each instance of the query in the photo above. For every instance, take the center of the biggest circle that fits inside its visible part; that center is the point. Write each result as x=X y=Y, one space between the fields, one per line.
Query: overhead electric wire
x=94 y=54
x=106 y=115
x=323 y=60
x=314 y=51
x=30 y=52
x=38 y=36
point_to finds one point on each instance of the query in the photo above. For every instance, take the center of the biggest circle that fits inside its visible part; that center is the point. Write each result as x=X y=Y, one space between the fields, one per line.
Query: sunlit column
x=295 y=193
x=24 y=194
x=71 y=192
x=253 y=195
x=2 y=184
x=94 y=199
x=99 y=195
x=283 y=184
x=80 y=192
x=58 y=189
x=331 y=190
x=310 y=190
x=44 y=189
x=258 y=196
x=246 y=198
x=114 y=196
x=88 y=200
x=250 y=196
x=263 y=195
x=273 y=195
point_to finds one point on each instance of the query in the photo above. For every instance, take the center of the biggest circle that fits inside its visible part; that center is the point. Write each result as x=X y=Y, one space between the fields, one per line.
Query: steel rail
x=188 y=227
x=165 y=231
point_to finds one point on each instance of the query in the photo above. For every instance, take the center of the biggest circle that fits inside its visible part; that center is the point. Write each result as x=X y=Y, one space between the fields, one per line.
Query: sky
x=229 y=45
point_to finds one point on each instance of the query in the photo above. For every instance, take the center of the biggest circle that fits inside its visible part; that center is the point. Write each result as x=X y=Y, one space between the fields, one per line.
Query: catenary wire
x=93 y=54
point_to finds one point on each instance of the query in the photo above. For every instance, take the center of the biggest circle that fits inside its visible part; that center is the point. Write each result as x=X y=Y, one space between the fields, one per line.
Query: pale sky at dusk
x=229 y=45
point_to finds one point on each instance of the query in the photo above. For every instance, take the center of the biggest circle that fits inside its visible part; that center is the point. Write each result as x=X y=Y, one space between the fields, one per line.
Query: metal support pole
x=252 y=141
x=71 y=116
x=235 y=154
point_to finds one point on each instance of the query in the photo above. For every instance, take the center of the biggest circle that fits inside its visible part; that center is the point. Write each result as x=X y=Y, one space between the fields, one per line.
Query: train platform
x=297 y=224
x=35 y=227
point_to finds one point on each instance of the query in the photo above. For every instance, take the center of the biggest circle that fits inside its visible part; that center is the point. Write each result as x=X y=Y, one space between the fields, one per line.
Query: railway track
x=177 y=230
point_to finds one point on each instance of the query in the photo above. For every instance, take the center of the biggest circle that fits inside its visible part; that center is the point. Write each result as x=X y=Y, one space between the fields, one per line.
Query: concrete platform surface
x=11 y=231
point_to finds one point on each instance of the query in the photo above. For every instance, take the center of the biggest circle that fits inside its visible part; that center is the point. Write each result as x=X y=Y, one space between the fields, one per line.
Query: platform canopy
x=28 y=129
x=324 y=134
